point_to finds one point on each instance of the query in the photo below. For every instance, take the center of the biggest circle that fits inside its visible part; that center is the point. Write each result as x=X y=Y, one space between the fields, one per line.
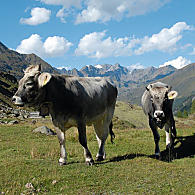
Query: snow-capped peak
x=99 y=66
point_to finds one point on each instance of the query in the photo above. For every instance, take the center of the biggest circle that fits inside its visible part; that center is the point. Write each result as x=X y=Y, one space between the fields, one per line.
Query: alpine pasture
x=29 y=161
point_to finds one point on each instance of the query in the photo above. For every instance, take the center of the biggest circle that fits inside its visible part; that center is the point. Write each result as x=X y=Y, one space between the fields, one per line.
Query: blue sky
x=75 y=33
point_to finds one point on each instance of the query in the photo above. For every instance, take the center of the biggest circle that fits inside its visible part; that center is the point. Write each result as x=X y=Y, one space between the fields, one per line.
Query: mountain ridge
x=130 y=82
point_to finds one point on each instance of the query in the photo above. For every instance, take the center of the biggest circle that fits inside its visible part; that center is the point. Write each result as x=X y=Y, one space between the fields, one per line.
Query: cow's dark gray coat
x=71 y=101
x=157 y=102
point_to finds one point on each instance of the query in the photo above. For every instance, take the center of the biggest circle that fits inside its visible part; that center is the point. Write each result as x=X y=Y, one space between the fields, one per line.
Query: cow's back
x=84 y=96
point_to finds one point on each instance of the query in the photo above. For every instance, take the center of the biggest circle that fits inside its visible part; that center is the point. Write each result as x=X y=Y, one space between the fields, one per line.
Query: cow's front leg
x=63 y=154
x=83 y=141
x=156 y=137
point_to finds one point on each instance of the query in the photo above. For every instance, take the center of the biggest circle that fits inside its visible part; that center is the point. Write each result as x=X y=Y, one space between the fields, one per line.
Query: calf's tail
x=112 y=135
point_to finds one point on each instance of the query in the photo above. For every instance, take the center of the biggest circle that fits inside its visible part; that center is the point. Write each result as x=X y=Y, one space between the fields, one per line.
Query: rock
x=29 y=186
x=54 y=182
x=44 y=130
x=13 y=122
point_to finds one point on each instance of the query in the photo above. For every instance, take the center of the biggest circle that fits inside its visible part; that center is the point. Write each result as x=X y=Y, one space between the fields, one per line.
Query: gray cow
x=71 y=101
x=157 y=102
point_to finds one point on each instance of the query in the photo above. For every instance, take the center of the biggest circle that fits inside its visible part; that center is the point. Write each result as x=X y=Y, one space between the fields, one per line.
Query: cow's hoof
x=90 y=162
x=100 y=158
x=62 y=162
x=157 y=156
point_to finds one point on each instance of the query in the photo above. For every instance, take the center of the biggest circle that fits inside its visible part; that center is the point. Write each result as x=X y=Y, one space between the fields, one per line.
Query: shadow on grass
x=121 y=158
x=186 y=149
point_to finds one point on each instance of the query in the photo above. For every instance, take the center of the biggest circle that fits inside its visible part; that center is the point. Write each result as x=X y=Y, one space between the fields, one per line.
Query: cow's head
x=160 y=97
x=30 y=90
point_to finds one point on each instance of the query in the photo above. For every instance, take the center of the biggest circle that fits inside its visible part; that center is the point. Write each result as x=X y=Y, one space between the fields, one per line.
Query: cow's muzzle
x=17 y=101
x=159 y=114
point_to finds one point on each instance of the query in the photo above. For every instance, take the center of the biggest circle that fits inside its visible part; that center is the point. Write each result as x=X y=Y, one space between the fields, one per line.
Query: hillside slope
x=8 y=86
x=182 y=80
x=14 y=63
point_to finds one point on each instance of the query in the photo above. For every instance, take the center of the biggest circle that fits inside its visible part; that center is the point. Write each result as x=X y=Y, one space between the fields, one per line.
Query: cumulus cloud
x=52 y=47
x=104 y=11
x=62 y=14
x=97 y=45
x=178 y=63
x=64 y=3
x=94 y=45
x=38 y=16
x=165 y=40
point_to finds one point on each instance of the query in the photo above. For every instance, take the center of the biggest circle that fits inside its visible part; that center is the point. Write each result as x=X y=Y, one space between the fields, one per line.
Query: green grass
x=26 y=157
x=130 y=168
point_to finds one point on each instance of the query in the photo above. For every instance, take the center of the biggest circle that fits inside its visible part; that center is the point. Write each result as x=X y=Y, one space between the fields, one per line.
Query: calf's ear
x=172 y=95
x=43 y=79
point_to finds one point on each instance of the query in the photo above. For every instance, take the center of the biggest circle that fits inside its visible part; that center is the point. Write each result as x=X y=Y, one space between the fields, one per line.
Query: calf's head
x=160 y=97
x=30 y=89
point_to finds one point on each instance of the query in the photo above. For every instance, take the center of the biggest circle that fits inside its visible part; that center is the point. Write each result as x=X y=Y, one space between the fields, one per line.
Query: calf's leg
x=83 y=141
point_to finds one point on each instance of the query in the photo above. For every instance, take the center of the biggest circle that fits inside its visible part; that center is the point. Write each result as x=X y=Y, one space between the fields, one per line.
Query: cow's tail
x=112 y=135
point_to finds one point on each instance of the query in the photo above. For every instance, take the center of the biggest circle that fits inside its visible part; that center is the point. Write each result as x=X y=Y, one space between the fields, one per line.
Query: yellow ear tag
x=45 y=81
x=171 y=97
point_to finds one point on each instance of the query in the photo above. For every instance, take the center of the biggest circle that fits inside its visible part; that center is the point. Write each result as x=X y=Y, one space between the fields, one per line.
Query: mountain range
x=130 y=82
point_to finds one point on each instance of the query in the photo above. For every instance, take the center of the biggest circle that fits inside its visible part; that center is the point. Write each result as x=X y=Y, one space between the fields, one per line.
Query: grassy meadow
x=130 y=168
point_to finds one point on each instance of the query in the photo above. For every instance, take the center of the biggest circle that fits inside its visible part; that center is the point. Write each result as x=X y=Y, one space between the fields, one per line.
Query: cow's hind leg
x=173 y=131
x=83 y=141
x=156 y=137
x=168 y=140
x=102 y=130
x=63 y=154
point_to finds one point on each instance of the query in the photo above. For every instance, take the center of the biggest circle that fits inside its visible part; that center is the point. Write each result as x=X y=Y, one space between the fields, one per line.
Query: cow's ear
x=149 y=87
x=172 y=95
x=43 y=79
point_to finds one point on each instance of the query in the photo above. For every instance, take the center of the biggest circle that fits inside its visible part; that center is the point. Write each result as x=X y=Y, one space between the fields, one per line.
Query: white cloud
x=97 y=45
x=135 y=66
x=193 y=52
x=178 y=63
x=165 y=40
x=94 y=45
x=38 y=16
x=104 y=11
x=52 y=47
x=62 y=14
x=65 y=3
